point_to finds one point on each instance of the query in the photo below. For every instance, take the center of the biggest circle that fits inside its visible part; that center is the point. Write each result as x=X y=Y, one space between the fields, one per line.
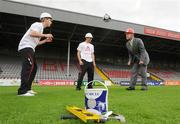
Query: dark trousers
x=86 y=67
x=29 y=69
x=140 y=70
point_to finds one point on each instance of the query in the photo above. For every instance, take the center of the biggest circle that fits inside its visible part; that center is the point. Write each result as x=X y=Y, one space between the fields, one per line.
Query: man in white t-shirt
x=26 y=48
x=86 y=58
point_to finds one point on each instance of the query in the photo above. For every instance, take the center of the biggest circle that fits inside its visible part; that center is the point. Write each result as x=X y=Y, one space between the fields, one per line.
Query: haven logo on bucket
x=92 y=94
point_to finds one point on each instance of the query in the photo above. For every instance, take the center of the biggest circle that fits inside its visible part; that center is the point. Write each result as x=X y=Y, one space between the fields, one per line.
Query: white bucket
x=96 y=100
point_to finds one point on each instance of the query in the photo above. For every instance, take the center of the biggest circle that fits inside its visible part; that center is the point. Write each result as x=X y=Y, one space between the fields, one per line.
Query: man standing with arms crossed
x=26 y=48
x=86 y=58
x=138 y=58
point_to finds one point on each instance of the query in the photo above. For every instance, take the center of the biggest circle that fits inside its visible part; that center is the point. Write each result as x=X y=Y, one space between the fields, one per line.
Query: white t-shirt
x=86 y=50
x=28 y=41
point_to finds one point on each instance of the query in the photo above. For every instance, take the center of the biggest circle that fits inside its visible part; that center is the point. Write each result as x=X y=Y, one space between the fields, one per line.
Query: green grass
x=158 y=105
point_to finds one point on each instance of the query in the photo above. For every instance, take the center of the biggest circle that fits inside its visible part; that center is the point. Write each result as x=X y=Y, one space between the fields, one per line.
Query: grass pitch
x=158 y=105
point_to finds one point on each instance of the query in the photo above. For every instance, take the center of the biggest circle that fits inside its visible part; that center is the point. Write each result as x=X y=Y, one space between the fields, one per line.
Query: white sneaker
x=32 y=92
x=26 y=94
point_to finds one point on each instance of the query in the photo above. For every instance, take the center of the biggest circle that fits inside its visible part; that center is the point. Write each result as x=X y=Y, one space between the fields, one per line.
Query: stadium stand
x=11 y=67
x=117 y=73
x=57 y=69
x=48 y=69
x=166 y=74
x=51 y=68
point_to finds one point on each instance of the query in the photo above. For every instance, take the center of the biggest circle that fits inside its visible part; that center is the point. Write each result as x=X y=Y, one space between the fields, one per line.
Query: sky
x=157 y=13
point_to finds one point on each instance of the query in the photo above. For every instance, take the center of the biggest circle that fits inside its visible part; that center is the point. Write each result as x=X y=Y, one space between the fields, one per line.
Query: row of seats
x=118 y=73
x=47 y=69
x=57 y=69
x=122 y=73
x=10 y=67
x=166 y=74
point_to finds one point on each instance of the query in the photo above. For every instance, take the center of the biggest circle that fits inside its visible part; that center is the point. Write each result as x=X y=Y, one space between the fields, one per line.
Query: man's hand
x=141 y=62
x=48 y=40
x=94 y=64
x=129 y=63
x=81 y=63
x=49 y=36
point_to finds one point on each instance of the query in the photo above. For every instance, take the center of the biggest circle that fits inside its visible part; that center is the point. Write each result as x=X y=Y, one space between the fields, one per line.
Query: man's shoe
x=130 y=88
x=78 y=88
x=26 y=94
x=32 y=92
x=144 y=88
